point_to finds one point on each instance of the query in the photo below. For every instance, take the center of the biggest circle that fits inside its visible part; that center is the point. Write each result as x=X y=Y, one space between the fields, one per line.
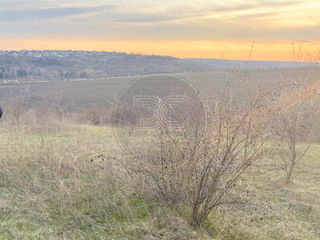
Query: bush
x=199 y=166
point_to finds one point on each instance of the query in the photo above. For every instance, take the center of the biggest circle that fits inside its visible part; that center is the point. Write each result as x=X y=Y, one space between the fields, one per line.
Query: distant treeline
x=64 y=65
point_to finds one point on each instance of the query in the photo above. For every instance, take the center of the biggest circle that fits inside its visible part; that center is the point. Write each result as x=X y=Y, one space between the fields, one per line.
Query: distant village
x=22 y=66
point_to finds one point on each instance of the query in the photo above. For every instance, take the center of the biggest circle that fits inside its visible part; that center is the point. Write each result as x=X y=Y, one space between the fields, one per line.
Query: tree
x=295 y=124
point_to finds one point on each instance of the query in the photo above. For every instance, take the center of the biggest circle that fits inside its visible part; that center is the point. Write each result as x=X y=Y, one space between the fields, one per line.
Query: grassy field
x=57 y=182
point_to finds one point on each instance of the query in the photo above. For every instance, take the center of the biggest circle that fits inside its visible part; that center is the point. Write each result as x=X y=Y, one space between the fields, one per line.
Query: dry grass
x=275 y=210
x=56 y=183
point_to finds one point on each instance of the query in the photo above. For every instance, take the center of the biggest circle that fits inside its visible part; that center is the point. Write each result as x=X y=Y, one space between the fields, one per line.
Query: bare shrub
x=94 y=116
x=15 y=110
x=200 y=166
x=295 y=124
x=18 y=116
x=58 y=101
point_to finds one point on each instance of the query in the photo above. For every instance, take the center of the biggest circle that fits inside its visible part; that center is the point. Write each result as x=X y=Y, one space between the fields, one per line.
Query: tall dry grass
x=59 y=182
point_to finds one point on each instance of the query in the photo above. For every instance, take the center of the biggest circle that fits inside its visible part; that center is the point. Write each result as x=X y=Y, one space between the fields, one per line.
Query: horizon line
x=159 y=55
x=231 y=50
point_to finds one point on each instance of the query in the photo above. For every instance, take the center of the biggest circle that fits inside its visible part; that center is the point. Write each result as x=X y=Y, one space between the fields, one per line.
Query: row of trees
x=37 y=73
x=57 y=65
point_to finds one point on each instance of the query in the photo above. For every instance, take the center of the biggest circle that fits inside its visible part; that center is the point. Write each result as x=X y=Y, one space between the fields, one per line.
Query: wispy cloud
x=258 y=20
x=47 y=13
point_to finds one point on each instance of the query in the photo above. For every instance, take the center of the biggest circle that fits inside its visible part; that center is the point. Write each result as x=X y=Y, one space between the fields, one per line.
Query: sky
x=233 y=29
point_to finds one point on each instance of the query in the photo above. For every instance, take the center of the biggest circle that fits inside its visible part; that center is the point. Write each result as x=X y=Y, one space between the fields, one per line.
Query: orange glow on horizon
x=234 y=50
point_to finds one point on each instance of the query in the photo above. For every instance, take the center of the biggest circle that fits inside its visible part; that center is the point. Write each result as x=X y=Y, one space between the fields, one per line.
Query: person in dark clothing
x=1 y=112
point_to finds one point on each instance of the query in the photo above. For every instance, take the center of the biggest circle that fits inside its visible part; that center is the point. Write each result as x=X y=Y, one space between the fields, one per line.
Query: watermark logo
x=159 y=112
x=154 y=105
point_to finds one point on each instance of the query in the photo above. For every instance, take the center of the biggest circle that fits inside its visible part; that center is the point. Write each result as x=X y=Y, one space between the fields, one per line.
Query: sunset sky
x=182 y=28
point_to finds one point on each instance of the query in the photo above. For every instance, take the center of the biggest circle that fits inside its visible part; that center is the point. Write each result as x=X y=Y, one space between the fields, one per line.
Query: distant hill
x=215 y=64
x=55 y=65
x=65 y=65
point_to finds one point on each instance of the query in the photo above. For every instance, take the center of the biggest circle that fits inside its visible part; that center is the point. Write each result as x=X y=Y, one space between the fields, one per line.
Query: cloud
x=254 y=5
x=189 y=12
x=47 y=13
x=167 y=19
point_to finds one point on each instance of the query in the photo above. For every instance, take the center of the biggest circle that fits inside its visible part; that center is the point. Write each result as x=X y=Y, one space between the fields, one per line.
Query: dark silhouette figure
x=1 y=112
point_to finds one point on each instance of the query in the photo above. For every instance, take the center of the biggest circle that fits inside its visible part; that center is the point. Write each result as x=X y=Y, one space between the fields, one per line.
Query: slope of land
x=22 y=66
x=57 y=182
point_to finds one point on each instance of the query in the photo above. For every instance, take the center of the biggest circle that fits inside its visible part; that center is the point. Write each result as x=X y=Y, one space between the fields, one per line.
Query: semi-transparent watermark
x=154 y=105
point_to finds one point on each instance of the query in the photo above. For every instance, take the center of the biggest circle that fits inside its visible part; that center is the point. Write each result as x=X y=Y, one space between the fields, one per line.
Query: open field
x=59 y=182
x=103 y=92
